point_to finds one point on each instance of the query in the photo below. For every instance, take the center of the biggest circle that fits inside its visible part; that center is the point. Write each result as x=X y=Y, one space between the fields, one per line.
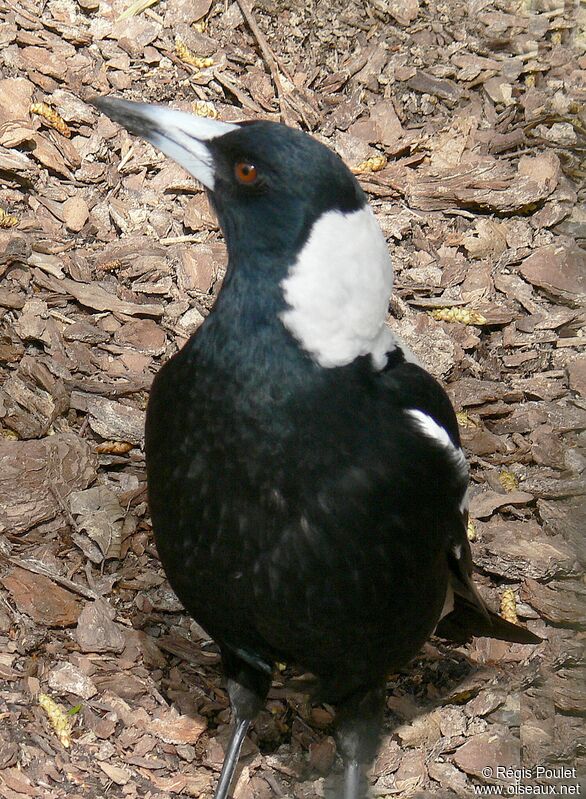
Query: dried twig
x=270 y=59
x=36 y=567
x=246 y=101
x=64 y=508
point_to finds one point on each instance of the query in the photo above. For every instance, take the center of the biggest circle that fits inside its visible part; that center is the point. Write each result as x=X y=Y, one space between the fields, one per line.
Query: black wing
x=466 y=614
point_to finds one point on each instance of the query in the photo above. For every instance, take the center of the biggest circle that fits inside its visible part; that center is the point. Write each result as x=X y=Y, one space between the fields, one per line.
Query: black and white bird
x=306 y=481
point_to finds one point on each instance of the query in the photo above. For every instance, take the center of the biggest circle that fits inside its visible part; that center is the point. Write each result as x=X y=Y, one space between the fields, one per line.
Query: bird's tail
x=467 y=619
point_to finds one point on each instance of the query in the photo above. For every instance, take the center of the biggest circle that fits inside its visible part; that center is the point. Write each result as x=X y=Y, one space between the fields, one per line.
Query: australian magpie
x=306 y=481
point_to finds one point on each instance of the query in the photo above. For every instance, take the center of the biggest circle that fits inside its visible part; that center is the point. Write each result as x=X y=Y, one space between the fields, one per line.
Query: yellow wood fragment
x=185 y=54
x=508 y=480
x=509 y=606
x=58 y=718
x=374 y=164
x=114 y=447
x=7 y=220
x=204 y=109
x=51 y=117
x=465 y=421
x=466 y=316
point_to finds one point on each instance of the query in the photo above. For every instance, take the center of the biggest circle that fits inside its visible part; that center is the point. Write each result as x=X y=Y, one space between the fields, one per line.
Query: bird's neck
x=244 y=337
x=322 y=305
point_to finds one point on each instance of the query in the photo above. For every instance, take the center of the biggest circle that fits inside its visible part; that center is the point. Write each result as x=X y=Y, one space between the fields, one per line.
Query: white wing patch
x=338 y=290
x=430 y=428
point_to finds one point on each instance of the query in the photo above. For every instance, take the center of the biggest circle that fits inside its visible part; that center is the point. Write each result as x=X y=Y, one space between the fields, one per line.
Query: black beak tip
x=98 y=102
x=110 y=106
x=129 y=115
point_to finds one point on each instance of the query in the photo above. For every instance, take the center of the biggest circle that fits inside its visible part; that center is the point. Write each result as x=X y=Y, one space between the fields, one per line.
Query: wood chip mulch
x=465 y=123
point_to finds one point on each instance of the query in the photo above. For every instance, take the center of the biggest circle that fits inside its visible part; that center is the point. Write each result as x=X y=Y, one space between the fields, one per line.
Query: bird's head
x=291 y=212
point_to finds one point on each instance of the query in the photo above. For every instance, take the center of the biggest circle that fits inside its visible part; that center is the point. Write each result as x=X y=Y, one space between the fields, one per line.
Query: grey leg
x=358 y=728
x=231 y=759
x=352 y=780
x=247 y=689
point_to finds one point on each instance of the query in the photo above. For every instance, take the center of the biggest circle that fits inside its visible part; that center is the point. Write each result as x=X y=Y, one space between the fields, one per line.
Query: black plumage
x=302 y=512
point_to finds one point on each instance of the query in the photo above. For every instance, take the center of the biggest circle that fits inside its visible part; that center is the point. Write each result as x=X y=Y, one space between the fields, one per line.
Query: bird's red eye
x=246 y=173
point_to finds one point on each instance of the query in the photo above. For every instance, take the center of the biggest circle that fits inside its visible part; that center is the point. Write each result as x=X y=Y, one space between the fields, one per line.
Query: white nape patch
x=181 y=136
x=439 y=434
x=338 y=290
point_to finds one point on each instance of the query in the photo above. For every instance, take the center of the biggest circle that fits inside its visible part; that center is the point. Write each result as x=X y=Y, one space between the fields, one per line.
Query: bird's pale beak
x=179 y=135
